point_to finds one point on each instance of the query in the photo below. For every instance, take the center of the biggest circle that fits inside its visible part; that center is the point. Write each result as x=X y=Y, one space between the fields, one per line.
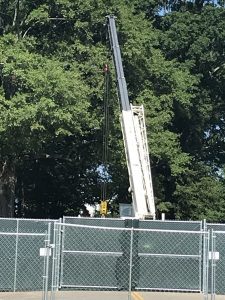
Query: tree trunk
x=16 y=17
x=7 y=189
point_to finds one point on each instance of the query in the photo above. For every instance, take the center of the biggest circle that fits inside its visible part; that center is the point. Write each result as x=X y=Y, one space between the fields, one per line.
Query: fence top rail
x=23 y=233
x=92 y=226
x=122 y=219
x=174 y=221
x=218 y=231
x=172 y=231
x=130 y=229
x=217 y=224
x=91 y=218
x=29 y=219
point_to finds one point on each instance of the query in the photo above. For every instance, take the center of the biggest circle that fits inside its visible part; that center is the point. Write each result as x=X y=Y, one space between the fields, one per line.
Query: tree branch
x=17 y=6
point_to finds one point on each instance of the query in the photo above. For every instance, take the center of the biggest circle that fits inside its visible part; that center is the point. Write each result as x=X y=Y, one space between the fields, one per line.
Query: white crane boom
x=135 y=138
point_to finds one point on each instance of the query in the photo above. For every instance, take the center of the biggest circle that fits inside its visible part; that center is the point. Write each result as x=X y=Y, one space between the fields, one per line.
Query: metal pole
x=213 y=266
x=16 y=254
x=53 y=286
x=204 y=260
x=56 y=258
x=47 y=262
x=44 y=270
x=131 y=262
x=205 y=264
x=62 y=231
x=48 y=249
x=212 y=291
x=59 y=252
x=201 y=257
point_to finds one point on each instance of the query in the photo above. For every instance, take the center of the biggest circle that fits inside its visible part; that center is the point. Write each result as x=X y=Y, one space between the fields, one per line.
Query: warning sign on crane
x=103 y=207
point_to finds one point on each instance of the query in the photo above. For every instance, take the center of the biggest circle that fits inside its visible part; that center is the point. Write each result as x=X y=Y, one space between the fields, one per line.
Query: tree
x=196 y=42
x=51 y=98
x=40 y=102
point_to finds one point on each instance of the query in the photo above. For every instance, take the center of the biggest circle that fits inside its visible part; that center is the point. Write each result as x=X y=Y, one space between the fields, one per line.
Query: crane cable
x=105 y=133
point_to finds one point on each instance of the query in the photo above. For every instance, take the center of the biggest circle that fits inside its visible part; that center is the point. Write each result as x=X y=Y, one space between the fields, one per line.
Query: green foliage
x=200 y=195
x=40 y=100
x=196 y=42
x=51 y=102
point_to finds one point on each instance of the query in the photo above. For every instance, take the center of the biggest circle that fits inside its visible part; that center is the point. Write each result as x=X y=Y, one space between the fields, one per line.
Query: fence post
x=205 y=261
x=59 y=250
x=56 y=258
x=213 y=265
x=53 y=284
x=46 y=265
x=62 y=232
x=16 y=255
x=208 y=249
x=131 y=262
x=201 y=256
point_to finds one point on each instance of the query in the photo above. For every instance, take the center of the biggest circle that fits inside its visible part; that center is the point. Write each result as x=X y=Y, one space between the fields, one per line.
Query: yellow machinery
x=103 y=207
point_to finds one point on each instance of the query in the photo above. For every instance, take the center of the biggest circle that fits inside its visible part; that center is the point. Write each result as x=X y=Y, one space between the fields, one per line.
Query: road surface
x=105 y=295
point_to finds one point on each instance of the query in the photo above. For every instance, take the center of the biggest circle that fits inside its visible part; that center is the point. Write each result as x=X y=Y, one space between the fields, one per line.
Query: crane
x=134 y=136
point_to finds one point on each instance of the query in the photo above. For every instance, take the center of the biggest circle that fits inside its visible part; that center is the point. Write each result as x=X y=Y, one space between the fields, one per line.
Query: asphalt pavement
x=105 y=295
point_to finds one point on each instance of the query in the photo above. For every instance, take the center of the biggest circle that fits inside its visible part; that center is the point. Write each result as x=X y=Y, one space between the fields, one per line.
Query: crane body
x=135 y=138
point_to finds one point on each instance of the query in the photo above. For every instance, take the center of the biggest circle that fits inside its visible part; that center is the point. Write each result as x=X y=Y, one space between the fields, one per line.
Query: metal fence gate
x=129 y=259
x=94 y=257
x=17 y=256
x=217 y=264
x=170 y=260
x=23 y=268
x=216 y=260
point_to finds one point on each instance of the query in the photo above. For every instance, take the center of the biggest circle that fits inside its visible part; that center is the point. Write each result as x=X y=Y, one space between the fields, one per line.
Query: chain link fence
x=171 y=225
x=175 y=256
x=217 y=264
x=22 y=266
x=96 y=253
x=117 y=255
x=129 y=259
x=101 y=222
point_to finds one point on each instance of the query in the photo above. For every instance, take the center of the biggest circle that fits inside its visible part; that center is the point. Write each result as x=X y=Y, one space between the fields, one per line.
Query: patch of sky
x=103 y=171
x=168 y=6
